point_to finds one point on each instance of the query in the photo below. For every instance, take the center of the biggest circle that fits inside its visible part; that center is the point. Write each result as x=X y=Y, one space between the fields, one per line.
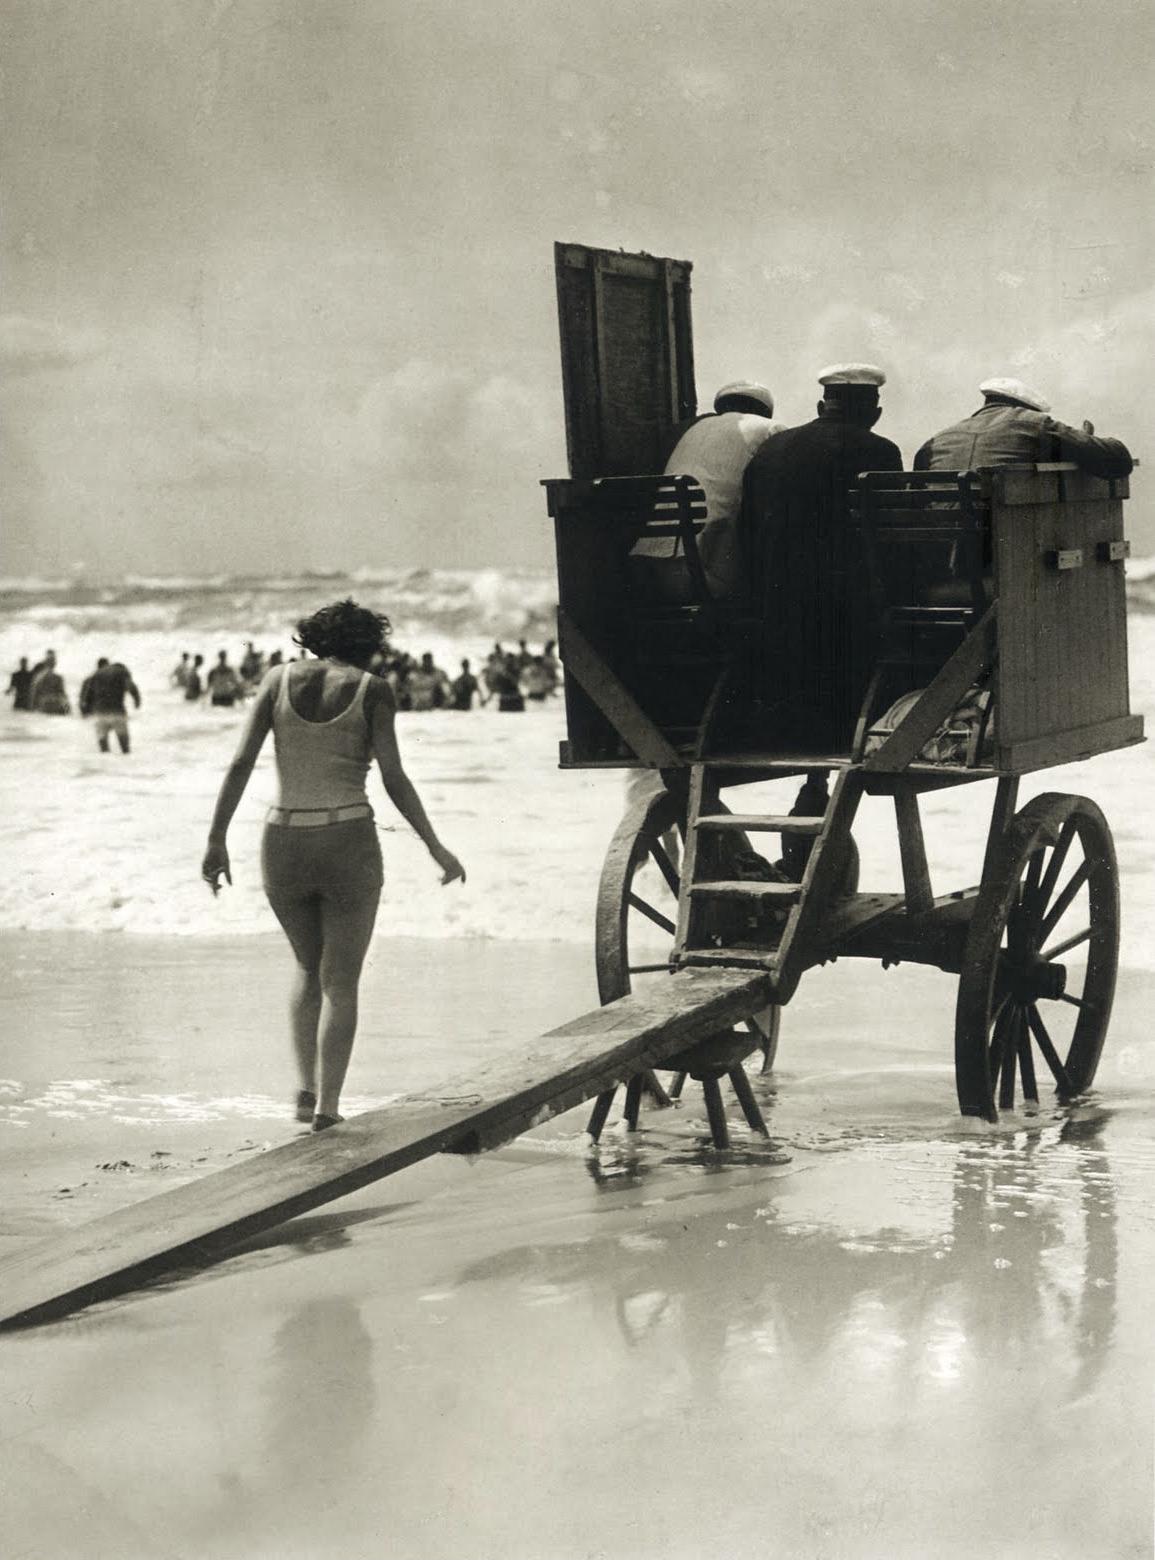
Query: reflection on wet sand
x=311 y=1442
x=1019 y=1271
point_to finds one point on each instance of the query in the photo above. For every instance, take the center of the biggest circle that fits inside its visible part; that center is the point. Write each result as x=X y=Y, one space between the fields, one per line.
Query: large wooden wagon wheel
x=1039 y=969
x=636 y=923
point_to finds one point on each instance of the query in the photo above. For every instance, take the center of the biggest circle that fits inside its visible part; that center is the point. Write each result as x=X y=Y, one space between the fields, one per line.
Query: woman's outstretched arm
x=398 y=786
x=256 y=728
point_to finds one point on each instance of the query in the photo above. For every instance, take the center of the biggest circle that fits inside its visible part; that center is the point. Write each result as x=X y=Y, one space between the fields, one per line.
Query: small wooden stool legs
x=633 y=1101
x=741 y=1084
x=719 y=1128
x=710 y=1079
x=647 y=1082
x=599 y=1113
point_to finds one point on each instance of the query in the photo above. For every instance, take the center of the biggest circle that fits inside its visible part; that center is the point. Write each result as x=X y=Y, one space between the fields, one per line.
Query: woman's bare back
x=321 y=690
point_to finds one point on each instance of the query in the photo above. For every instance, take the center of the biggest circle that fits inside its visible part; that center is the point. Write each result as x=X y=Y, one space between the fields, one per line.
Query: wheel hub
x=1028 y=980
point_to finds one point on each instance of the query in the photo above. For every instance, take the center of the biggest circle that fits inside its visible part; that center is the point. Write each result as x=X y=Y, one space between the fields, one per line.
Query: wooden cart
x=1023 y=615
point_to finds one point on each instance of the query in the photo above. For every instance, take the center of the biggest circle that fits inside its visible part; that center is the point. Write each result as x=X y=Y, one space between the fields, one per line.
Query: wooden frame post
x=912 y=849
x=1006 y=800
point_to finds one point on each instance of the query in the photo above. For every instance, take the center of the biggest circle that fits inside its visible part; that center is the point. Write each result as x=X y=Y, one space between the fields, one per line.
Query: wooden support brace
x=912 y=849
x=938 y=699
x=741 y=1086
x=1006 y=800
x=616 y=703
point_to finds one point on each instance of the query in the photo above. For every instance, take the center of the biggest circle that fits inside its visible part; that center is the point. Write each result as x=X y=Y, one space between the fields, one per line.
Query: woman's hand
x=451 y=868
x=216 y=864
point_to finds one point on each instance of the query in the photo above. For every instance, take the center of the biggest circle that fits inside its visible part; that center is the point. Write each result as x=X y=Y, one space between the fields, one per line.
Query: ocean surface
x=107 y=843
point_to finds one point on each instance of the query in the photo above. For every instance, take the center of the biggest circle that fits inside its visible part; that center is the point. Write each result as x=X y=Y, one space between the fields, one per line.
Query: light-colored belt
x=316 y=817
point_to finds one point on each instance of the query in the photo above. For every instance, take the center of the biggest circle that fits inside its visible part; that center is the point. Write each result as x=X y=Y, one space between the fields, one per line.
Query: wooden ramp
x=514 y=1092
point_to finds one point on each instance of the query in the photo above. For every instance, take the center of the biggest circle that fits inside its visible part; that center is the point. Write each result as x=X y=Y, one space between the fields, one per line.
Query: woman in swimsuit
x=320 y=857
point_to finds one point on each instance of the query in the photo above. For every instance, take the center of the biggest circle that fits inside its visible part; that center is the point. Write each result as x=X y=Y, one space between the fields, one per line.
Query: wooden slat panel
x=630 y=496
x=903 y=535
x=1014 y=485
x=763 y=823
x=743 y=888
x=901 y=500
x=1065 y=747
x=1062 y=661
x=627 y=361
x=486 y=1107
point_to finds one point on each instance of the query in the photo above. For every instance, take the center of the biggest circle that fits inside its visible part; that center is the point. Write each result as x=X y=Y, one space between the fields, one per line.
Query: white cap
x=852 y=374
x=749 y=391
x=1015 y=390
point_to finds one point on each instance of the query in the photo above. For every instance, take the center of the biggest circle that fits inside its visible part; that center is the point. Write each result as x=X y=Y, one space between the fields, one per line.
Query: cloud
x=428 y=421
x=30 y=346
x=1102 y=358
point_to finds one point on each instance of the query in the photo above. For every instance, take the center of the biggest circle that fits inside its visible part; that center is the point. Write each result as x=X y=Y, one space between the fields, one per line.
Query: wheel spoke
x=1057 y=911
x=999 y=1009
x=1071 y=1001
x=1010 y=1059
x=998 y=1039
x=1046 y=1046
x=649 y=969
x=665 y=867
x=1066 y=945
x=1027 y=1066
x=1031 y=881
x=651 y=914
x=1055 y=866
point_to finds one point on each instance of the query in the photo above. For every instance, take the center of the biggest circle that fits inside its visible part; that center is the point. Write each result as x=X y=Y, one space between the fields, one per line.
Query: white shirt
x=715 y=451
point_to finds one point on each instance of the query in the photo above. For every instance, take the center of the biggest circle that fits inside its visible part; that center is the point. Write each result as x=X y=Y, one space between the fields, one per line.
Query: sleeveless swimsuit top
x=321 y=763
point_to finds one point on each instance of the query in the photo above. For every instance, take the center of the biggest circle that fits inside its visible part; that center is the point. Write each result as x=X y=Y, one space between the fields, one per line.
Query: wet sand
x=885 y=1333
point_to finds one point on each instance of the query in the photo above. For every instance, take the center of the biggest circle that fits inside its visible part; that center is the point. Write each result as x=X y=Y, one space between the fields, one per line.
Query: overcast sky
x=277 y=274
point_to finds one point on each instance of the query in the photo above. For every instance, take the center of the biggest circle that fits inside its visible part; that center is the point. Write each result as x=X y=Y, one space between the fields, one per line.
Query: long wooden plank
x=762 y=823
x=515 y=1091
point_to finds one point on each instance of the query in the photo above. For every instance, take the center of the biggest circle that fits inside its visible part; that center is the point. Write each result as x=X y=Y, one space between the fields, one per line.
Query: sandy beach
x=883 y=1333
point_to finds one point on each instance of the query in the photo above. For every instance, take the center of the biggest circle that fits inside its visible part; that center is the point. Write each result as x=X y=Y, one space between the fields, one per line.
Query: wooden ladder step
x=734 y=958
x=744 y=888
x=762 y=823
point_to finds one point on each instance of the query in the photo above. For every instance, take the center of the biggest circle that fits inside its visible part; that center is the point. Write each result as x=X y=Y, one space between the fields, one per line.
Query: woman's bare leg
x=302 y=925
x=346 y=932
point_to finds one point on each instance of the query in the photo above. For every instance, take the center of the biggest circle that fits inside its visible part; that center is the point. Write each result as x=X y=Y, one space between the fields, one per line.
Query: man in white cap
x=809 y=569
x=1013 y=428
x=715 y=449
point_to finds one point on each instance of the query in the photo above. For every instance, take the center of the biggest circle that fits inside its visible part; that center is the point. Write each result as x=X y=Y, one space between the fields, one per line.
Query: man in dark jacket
x=102 y=696
x=808 y=566
x=1013 y=428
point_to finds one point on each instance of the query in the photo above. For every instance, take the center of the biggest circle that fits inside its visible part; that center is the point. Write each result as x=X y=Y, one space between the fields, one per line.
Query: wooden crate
x=1061 y=688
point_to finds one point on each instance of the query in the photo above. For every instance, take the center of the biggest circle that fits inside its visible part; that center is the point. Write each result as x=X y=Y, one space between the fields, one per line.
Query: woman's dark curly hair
x=345 y=630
